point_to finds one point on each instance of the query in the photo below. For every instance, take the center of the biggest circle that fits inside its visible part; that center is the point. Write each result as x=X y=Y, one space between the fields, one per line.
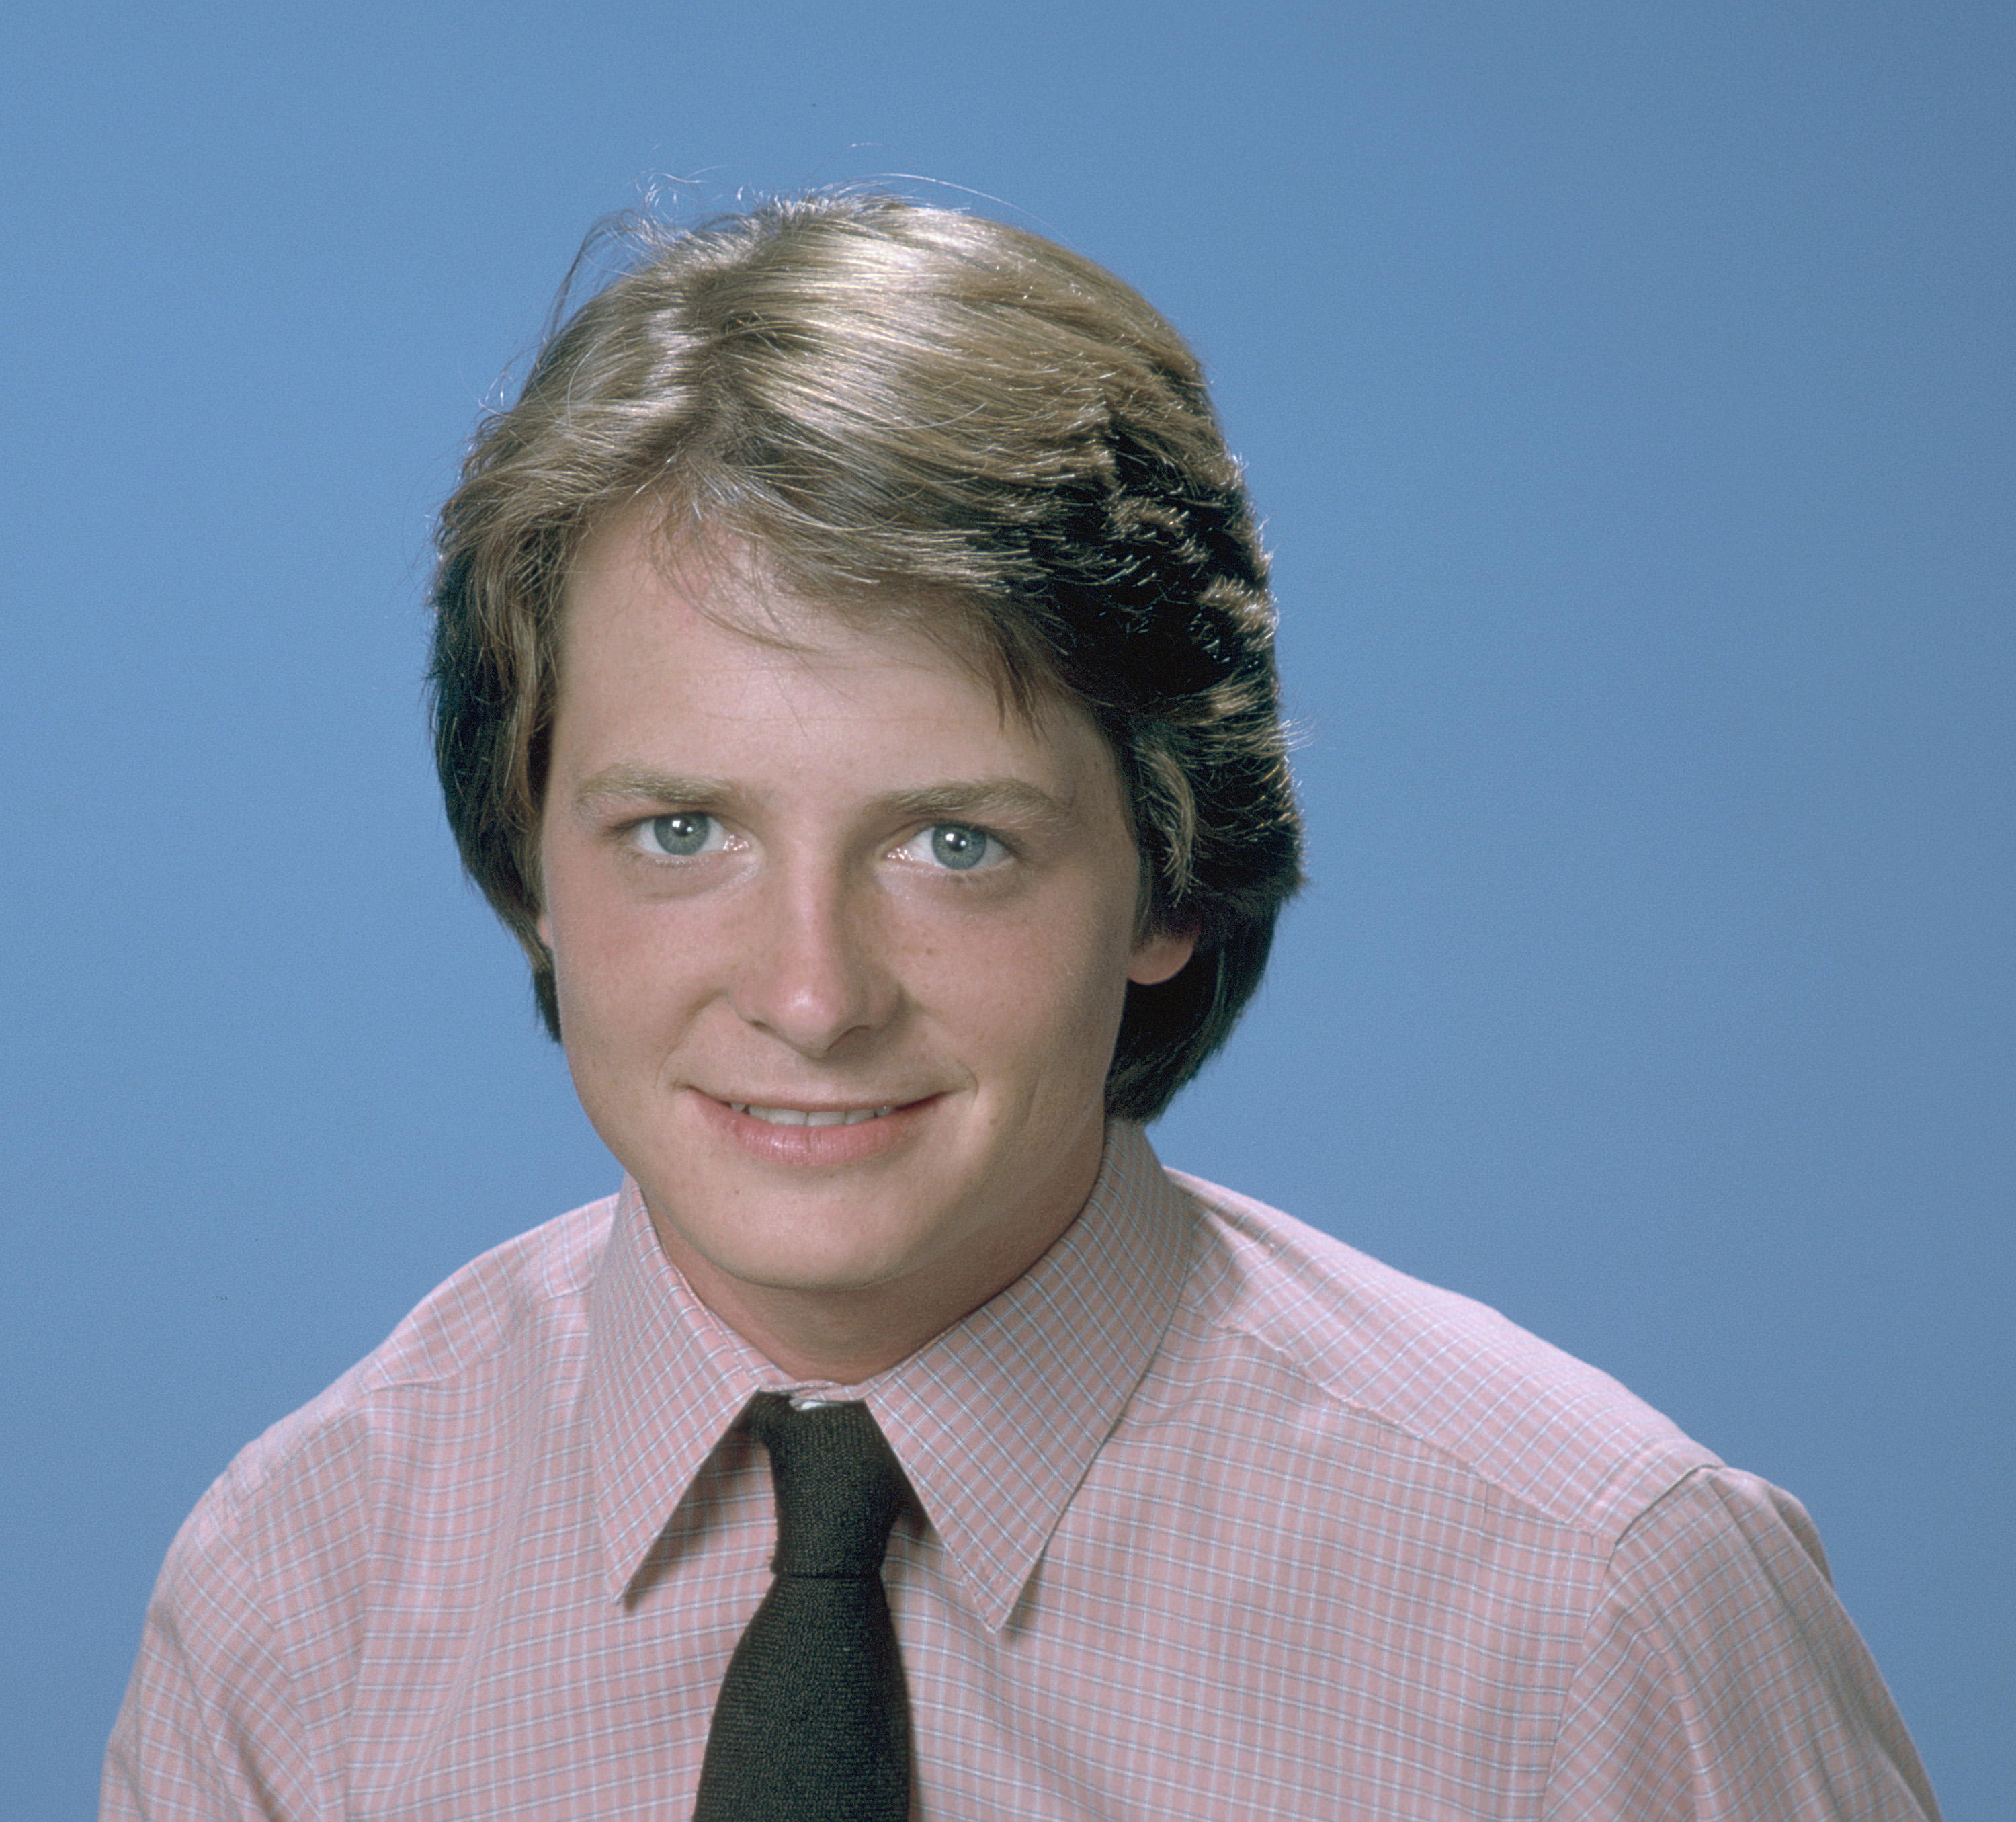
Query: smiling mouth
x=813 y=1116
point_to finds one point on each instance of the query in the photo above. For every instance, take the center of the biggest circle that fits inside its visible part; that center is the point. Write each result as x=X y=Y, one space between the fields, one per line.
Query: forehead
x=697 y=641
x=643 y=552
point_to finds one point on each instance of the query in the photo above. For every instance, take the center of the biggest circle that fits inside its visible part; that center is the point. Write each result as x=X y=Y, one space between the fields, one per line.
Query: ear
x=542 y=925
x=1161 y=956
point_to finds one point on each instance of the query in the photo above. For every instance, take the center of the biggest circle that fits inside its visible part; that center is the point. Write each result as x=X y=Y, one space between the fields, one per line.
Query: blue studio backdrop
x=1627 y=388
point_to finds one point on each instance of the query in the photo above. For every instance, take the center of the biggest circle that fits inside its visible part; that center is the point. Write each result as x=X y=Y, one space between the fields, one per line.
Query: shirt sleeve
x=208 y=1731
x=1722 y=1681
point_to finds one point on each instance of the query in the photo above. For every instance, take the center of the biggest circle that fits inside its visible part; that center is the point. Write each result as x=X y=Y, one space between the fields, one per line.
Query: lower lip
x=812 y=1147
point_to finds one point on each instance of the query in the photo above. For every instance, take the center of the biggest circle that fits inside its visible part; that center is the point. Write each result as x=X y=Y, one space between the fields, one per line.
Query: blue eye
x=684 y=832
x=960 y=848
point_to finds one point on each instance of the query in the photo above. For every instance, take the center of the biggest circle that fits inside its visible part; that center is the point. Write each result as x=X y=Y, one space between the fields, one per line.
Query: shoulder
x=1467 y=1393
x=424 y=1391
x=372 y=1499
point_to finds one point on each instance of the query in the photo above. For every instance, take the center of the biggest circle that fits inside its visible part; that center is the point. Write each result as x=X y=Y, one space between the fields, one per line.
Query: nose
x=812 y=970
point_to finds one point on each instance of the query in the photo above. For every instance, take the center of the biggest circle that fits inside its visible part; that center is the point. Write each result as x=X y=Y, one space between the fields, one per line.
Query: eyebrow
x=977 y=799
x=637 y=783
x=980 y=800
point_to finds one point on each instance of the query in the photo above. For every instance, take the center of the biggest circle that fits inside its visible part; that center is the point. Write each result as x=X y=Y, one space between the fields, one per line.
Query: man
x=855 y=687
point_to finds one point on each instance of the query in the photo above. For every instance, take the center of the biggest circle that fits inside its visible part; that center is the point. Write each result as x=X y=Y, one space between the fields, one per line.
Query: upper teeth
x=813 y=1116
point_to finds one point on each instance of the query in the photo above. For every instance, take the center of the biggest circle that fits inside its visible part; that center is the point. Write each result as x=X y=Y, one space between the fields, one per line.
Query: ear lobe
x=1161 y=956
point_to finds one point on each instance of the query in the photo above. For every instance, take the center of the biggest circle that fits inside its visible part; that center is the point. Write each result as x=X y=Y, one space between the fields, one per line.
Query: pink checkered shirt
x=1217 y=1518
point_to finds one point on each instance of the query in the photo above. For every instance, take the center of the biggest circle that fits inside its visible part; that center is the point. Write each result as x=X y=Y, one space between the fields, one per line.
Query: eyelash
x=641 y=835
x=993 y=850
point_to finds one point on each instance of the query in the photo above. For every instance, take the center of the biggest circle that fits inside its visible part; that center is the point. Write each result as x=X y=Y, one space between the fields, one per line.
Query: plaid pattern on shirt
x=1219 y=1518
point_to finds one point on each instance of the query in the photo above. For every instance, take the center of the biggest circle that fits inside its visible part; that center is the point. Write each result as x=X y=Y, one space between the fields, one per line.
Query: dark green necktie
x=812 y=1723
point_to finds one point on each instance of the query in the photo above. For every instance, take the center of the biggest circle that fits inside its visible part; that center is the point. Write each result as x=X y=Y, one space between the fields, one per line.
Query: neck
x=848 y=1334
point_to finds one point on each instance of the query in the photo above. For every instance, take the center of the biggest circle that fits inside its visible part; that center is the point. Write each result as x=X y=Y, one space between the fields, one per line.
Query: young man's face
x=841 y=944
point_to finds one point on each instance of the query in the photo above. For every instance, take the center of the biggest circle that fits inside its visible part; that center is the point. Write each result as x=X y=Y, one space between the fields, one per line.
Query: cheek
x=617 y=965
x=1045 y=999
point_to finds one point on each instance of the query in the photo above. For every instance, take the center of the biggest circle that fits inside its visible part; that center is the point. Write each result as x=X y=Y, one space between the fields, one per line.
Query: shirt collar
x=996 y=1421
x=666 y=1378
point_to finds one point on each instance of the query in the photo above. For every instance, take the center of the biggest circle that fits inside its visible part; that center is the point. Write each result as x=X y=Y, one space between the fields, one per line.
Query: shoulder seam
x=381 y=1374
x=1595 y=1516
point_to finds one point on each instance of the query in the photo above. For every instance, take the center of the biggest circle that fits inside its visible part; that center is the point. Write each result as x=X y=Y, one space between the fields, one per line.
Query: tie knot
x=839 y=1486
